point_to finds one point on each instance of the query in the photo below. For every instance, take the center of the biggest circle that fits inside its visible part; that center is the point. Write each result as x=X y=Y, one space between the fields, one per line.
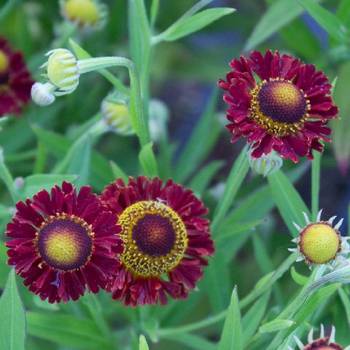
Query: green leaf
x=192 y=341
x=194 y=23
x=13 y=323
x=279 y=14
x=238 y=172
x=66 y=330
x=346 y=303
x=77 y=160
x=7 y=178
x=343 y=12
x=59 y=145
x=288 y=201
x=298 y=278
x=231 y=336
x=200 y=181
x=315 y=183
x=333 y=25
x=38 y=182
x=148 y=160
x=208 y=129
x=118 y=172
x=4 y=268
x=253 y=317
x=143 y=343
x=275 y=326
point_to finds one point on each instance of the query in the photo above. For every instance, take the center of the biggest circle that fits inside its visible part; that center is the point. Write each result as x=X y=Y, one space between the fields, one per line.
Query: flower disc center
x=282 y=101
x=65 y=242
x=4 y=62
x=154 y=236
x=319 y=243
x=322 y=344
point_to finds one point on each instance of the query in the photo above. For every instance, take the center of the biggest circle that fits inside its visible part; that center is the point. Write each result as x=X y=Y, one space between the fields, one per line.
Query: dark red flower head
x=62 y=243
x=15 y=80
x=278 y=103
x=322 y=344
x=165 y=236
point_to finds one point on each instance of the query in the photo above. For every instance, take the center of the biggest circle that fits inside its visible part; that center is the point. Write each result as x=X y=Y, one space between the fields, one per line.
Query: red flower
x=165 y=236
x=278 y=103
x=62 y=243
x=15 y=80
x=322 y=344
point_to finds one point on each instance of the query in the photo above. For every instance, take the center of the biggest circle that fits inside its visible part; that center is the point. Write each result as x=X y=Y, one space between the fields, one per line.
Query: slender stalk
x=315 y=184
x=41 y=155
x=6 y=177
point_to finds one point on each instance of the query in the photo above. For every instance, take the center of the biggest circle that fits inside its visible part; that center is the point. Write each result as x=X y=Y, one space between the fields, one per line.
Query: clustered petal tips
x=63 y=243
x=320 y=242
x=165 y=240
x=321 y=343
x=15 y=80
x=86 y=14
x=278 y=103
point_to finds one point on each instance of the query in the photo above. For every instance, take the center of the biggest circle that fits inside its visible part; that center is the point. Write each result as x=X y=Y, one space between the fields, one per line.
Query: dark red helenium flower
x=278 y=103
x=165 y=239
x=322 y=344
x=63 y=243
x=15 y=80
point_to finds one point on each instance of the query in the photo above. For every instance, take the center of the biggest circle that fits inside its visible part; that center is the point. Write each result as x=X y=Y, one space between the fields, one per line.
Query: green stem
x=136 y=104
x=40 y=161
x=315 y=184
x=6 y=177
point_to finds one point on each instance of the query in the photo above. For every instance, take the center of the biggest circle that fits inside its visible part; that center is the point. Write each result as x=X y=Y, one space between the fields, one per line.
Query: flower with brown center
x=321 y=343
x=62 y=243
x=165 y=240
x=15 y=80
x=278 y=103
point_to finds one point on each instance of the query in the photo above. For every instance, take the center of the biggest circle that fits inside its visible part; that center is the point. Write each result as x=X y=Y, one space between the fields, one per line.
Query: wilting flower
x=15 y=80
x=278 y=103
x=89 y=14
x=63 y=243
x=116 y=114
x=320 y=242
x=165 y=239
x=322 y=343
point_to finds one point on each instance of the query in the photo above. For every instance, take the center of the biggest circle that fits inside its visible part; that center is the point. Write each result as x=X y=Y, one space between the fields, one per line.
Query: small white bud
x=42 y=94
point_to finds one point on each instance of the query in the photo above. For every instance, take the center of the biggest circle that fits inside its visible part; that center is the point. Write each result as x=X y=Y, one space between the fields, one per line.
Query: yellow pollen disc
x=286 y=94
x=154 y=236
x=319 y=243
x=85 y=12
x=4 y=62
x=62 y=248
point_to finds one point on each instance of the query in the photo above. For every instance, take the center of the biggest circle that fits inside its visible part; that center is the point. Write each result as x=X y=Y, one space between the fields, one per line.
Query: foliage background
x=251 y=236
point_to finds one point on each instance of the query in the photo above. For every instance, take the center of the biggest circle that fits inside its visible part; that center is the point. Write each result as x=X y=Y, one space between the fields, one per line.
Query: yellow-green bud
x=116 y=114
x=319 y=243
x=267 y=164
x=62 y=70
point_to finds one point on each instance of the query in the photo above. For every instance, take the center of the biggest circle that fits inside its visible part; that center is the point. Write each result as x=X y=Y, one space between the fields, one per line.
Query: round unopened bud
x=320 y=243
x=42 y=94
x=116 y=114
x=267 y=164
x=62 y=71
x=84 y=13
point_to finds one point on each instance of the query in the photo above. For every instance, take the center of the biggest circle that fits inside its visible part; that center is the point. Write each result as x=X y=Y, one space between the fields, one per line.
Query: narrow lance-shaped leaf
x=194 y=23
x=143 y=343
x=148 y=160
x=330 y=22
x=288 y=201
x=231 y=336
x=12 y=324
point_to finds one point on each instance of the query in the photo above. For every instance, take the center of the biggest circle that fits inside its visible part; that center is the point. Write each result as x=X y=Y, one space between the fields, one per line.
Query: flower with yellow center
x=84 y=13
x=322 y=343
x=4 y=62
x=319 y=242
